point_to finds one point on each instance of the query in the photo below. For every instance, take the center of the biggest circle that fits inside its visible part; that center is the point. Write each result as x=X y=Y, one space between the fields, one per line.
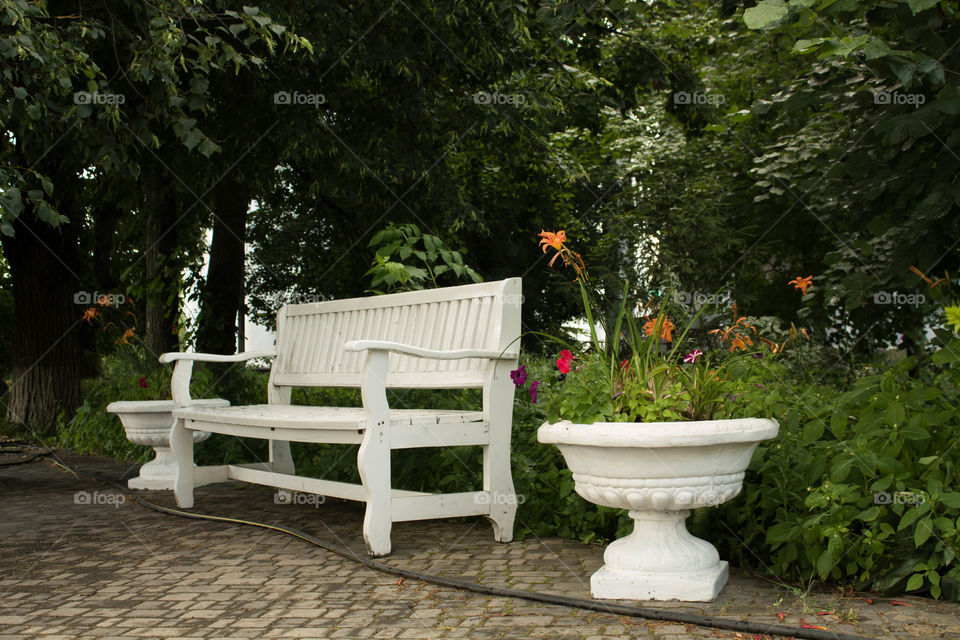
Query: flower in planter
x=564 y=361
x=519 y=376
x=655 y=381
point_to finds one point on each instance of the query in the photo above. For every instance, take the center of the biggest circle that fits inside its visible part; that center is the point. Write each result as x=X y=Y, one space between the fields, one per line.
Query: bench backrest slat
x=486 y=316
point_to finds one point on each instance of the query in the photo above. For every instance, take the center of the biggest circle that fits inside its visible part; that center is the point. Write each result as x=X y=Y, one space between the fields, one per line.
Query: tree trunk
x=46 y=354
x=222 y=296
x=162 y=271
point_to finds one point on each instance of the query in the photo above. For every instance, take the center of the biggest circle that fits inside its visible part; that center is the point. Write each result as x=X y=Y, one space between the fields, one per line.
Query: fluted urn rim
x=659 y=434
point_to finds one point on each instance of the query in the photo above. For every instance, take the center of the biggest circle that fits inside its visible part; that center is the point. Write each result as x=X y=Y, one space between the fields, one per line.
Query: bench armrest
x=173 y=356
x=410 y=350
x=183 y=369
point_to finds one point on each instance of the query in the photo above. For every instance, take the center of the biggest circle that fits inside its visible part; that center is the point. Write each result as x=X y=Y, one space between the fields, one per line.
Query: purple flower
x=533 y=391
x=519 y=375
x=758 y=355
x=693 y=355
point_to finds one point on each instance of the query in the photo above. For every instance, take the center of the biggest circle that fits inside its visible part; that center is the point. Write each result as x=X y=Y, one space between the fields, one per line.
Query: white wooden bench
x=450 y=338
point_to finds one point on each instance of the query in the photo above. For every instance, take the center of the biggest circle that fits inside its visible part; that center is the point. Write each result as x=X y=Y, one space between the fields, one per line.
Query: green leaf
x=765 y=14
x=895 y=414
x=948 y=100
x=841 y=470
x=921 y=5
x=868 y=515
x=20 y=93
x=922 y=532
x=806 y=46
x=208 y=147
x=915 y=582
x=191 y=139
x=951 y=500
x=908 y=518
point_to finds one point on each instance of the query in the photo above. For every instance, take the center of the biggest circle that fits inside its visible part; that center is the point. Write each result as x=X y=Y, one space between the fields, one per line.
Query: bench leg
x=281 y=461
x=497 y=476
x=181 y=443
x=373 y=461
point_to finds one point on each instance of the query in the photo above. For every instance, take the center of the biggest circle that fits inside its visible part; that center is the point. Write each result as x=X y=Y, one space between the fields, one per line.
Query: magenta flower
x=693 y=355
x=143 y=383
x=533 y=391
x=519 y=376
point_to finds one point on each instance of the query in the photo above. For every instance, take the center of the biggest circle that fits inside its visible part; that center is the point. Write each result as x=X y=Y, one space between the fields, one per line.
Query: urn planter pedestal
x=148 y=422
x=659 y=472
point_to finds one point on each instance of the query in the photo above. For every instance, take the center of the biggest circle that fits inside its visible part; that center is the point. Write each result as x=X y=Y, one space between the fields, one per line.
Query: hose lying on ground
x=453 y=583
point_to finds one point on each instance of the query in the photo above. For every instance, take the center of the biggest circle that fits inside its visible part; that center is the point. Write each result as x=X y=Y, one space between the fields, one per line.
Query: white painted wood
x=451 y=338
x=444 y=505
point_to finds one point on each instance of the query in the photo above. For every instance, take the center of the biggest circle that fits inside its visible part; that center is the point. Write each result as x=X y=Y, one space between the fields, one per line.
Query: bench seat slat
x=307 y=417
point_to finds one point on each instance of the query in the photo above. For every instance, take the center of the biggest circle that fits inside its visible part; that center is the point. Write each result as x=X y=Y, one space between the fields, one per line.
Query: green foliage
x=130 y=373
x=392 y=270
x=860 y=486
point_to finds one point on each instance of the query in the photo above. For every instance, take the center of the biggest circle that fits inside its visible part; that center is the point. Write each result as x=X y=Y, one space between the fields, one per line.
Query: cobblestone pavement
x=97 y=565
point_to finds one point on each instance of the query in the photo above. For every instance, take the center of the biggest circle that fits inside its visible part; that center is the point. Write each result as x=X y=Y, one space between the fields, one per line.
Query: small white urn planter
x=659 y=471
x=148 y=422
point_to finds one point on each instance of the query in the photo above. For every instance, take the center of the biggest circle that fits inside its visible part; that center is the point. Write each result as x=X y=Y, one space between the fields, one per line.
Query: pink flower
x=533 y=391
x=693 y=355
x=143 y=383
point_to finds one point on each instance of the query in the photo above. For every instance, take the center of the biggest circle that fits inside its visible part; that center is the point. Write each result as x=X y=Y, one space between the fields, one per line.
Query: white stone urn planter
x=148 y=422
x=659 y=471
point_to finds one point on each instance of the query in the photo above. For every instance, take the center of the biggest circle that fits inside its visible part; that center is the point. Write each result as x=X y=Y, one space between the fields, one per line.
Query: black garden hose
x=453 y=583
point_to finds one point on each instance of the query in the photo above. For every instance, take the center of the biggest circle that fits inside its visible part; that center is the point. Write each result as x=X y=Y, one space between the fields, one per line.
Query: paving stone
x=80 y=571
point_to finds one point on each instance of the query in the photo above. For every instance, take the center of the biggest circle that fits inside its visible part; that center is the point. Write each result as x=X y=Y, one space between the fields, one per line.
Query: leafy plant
x=640 y=373
x=432 y=259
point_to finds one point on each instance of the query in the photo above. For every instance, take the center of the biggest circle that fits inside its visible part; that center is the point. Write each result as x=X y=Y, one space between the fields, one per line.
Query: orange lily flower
x=89 y=314
x=666 y=329
x=802 y=283
x=103 y=301
x=126 y=336
x=570 y=258
x=555 y=240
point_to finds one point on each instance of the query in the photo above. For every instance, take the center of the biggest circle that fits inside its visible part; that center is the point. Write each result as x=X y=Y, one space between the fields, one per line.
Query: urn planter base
x=148 y=422
x=690 y=586
x=660 y=560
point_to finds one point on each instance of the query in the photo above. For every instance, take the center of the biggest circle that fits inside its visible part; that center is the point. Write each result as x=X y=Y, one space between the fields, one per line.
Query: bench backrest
x=486 y=316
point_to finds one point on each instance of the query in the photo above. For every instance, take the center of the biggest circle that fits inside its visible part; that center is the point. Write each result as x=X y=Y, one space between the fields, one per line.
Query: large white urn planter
x=148 y=422
x=659 y=471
